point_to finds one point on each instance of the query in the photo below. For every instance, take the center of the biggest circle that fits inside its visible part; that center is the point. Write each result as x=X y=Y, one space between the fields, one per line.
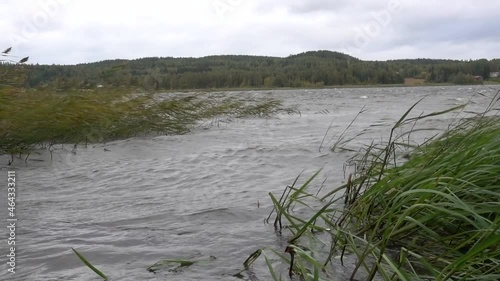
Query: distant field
x=414 y=81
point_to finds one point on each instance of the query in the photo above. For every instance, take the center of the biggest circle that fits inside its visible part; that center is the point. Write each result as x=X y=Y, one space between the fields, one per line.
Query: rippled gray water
x=128 y=204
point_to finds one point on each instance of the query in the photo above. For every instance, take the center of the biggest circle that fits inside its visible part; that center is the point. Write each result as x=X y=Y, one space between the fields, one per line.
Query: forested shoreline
x=310 y=69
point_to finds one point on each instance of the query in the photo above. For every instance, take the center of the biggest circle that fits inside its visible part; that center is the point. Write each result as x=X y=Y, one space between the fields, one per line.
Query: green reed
x=34 y=118
x=89 y=265
x=433 y=217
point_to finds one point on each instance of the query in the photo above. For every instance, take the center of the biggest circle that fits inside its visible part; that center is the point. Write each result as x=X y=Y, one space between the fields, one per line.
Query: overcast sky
x=77 y=31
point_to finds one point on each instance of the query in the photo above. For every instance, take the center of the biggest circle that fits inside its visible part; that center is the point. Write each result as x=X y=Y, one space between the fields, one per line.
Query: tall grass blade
x=89 y=265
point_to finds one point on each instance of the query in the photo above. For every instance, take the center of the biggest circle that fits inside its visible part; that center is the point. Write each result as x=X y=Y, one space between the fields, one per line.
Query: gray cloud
x=83 y=31
x=297 y=6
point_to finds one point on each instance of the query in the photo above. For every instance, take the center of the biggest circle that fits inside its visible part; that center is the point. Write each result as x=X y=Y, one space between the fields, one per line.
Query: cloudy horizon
x=70 y=32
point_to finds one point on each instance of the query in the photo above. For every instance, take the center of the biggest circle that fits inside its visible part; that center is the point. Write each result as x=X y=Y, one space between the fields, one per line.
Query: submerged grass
x=434 y=217
x=175 y=265
x=31 y=119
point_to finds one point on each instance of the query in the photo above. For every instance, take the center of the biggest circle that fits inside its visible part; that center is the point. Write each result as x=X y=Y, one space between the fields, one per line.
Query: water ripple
x=128 y=204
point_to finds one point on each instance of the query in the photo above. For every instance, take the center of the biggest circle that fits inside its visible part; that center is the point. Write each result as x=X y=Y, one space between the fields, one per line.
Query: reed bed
x=433 y=216
x=34 y=119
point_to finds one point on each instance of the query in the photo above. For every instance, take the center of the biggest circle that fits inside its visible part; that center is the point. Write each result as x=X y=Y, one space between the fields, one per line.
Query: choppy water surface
x=128 y=204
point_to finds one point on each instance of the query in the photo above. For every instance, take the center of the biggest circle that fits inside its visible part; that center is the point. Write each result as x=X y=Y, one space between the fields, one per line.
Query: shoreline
x=351 y=86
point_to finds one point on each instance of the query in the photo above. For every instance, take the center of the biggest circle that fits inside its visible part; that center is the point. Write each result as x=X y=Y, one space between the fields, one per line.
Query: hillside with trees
x=309 y=69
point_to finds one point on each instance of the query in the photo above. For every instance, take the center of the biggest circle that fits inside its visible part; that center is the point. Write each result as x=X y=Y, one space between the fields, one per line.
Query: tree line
x=309 y=69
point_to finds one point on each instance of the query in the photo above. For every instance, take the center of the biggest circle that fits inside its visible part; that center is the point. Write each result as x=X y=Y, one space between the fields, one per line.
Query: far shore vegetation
x=315 y=69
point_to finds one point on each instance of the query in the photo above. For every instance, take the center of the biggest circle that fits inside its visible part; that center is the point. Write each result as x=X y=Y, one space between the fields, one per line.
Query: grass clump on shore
x=434 y=217
x=438 y=215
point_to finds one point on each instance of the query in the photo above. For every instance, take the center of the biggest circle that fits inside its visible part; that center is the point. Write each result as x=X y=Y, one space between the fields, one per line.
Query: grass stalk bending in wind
x=434 y=217
x=29 y=118
x=89 y=265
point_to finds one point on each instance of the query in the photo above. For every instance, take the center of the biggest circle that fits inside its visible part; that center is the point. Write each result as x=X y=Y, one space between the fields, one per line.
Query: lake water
x=128 y=204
